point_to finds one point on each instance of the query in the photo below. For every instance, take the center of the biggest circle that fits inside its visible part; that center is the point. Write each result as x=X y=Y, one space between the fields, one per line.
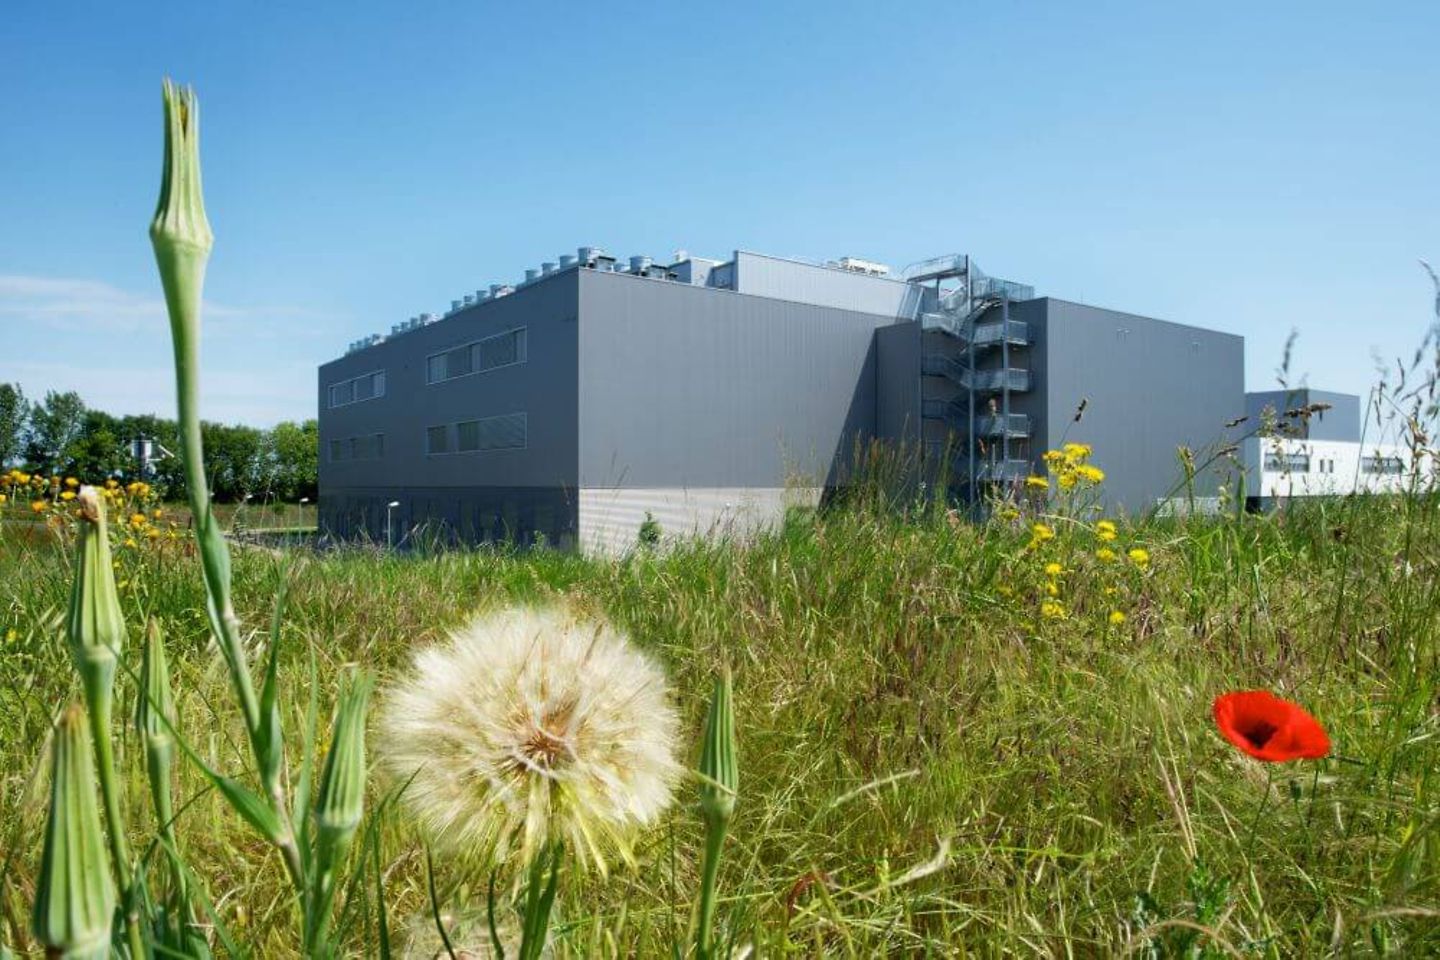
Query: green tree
x=235 y=461
x=14 y=414
x=55 y=426
x=101 y=450
x=295 y=460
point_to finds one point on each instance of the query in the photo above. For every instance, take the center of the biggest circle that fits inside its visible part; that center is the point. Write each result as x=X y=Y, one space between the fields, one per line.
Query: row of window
x=479 y=356
x=1300 y=463
x=491 y=353
x=365 y=387
x=507 y=432
x=1383 y=465
x=368 y=447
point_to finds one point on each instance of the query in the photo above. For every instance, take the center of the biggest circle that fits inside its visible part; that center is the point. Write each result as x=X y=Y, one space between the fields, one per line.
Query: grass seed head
x=532 y=726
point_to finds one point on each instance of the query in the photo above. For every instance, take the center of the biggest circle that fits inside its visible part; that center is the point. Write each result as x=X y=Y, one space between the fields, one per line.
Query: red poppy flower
x=1269 y=728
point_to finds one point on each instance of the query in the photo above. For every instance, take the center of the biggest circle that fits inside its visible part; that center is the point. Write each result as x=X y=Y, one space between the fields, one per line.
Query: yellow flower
x=3 y=498
x=1052 y=610
x=1053 y=569
x=137 y=520
x=67 y=495
x=1105 y=555
x=152 y=533
x=12 y=635
x=1090 y=474
x=1054 y=456
x=1076 y=451
x=39 y=506
x=130 y=541
x=1105 y=530
x=1052 y=589
x=1138 y=556
x=111 y=484
x=71 y=482
x=1007 y=513
x=1042 y=531
x=156 y=513
x=1116 y=618
x=1037 y=483
x=1066 y=480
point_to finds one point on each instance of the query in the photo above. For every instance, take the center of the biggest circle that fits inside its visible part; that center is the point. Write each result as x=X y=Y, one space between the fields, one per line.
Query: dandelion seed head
x=531 y=726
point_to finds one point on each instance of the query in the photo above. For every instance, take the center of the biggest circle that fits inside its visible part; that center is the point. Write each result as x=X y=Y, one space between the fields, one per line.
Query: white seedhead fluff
x=532 y=726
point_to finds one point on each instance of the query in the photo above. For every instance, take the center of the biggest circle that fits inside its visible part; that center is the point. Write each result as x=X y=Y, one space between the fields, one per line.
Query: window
x=1382 y=465
x=491 y=353
x=368 y=386
x=1287 y=462
x=368 y=447
x=437 y=439
x=506 y=432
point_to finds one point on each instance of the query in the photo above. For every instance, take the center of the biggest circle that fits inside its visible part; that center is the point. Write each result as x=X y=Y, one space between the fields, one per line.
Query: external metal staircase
x=973 y=310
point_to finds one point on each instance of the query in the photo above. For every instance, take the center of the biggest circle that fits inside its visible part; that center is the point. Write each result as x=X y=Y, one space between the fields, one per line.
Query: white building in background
x=1319 y=455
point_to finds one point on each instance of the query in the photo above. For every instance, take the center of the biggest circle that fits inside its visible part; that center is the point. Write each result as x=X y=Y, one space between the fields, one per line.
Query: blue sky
x=1256 y=168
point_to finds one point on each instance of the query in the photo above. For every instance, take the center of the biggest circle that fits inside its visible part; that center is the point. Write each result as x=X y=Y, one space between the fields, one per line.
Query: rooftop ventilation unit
x=455 y=305
x=482 y=295
x=566 y=261
x=531 y=275
x=639 y=265
x=503 y=290
x=469 y=299
x=427 y=318
x=547 y=268
x=587 y=255
x=868 y=267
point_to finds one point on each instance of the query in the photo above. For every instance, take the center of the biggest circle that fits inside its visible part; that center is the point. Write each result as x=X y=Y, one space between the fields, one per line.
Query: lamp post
x=300 y=521
x=389 y=508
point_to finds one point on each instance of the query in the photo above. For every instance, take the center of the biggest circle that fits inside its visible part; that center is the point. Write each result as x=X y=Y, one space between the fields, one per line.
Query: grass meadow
x=929 y=765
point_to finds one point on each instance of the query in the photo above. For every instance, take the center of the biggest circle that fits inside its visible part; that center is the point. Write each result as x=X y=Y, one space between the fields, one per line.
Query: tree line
x=61 y=436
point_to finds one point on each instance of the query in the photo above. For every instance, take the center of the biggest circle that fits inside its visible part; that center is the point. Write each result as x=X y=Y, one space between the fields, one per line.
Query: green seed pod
x=180 y=231
x=341 y=801
x=155 y=707
x=74 y=898
x=95 y=626
x=717 y=756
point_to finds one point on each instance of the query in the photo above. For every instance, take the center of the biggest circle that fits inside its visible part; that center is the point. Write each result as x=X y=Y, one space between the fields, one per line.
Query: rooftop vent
x=639 y=264
x=868 y=267
x=531 y=274
x=566 y=261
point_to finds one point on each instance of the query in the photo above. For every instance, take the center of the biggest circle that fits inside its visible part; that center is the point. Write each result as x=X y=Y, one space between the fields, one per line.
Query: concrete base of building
x=610 y=518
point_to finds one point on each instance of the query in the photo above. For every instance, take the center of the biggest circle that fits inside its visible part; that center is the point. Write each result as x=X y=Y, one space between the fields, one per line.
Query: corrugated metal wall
x=762 y=276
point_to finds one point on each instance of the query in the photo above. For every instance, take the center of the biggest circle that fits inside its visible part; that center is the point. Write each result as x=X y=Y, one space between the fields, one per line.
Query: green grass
x=926 y=767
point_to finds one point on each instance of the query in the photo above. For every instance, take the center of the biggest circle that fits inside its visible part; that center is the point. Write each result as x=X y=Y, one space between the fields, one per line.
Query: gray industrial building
x=713 y=394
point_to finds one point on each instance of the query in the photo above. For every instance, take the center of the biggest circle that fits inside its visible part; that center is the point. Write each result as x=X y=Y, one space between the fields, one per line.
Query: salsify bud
x=74 y=898
x=341 y=801
x=717 y=756
x=155 y=707
x=180 y=231
x=95 y=626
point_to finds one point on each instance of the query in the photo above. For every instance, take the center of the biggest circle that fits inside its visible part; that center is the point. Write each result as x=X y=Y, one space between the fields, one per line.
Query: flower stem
x=99 y=714
x=715 y=830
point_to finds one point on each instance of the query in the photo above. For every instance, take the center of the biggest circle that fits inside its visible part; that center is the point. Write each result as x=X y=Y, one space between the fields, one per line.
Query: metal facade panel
x=543 y=388
x=762 y=276
x=684 y=386
x=897 y=383
x=610 y=518
x=1151 y=387
x=1340 y=423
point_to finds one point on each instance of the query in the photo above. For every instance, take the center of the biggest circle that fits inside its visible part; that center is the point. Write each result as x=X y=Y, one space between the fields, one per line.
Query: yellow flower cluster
x=1071 y=468
x=1097 y=567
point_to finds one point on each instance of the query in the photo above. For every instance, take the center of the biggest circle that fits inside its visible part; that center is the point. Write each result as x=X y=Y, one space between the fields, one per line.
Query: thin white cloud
x=69 y=304
x=260 y=397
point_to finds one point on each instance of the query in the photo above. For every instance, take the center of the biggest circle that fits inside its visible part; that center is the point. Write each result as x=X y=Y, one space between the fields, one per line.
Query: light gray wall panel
x=762 y=276
x=1152 y=386
x=685 y=386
